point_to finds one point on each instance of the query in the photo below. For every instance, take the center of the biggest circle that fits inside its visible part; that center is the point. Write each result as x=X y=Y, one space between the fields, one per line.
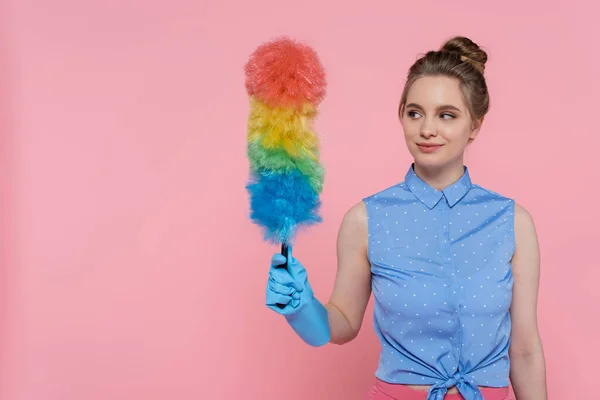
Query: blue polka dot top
x=442 y=284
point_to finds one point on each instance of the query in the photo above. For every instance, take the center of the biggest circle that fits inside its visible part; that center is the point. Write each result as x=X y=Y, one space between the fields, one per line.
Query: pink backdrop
x=133 y=271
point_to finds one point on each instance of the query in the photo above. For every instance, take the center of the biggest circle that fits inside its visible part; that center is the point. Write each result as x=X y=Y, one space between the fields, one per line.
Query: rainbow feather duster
x=285 y=82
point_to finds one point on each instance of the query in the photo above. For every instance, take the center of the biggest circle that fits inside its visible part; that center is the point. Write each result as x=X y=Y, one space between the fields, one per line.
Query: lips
x=428 y=147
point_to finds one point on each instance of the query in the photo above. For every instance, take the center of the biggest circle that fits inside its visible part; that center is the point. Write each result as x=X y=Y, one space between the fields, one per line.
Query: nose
x=428 y=129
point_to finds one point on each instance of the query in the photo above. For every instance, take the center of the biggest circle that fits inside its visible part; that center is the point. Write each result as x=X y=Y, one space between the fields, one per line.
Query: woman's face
x=436 y=121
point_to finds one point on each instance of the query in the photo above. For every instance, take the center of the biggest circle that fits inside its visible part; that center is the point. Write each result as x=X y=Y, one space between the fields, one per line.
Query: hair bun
x=469 y=51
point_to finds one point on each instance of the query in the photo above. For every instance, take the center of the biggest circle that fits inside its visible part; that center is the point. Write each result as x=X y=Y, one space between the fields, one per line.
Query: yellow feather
x=285 y=128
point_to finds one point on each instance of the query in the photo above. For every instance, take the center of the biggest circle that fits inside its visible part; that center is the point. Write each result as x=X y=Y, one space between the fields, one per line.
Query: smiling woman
x=444 y=102
x=437 y=122
x=453 y=267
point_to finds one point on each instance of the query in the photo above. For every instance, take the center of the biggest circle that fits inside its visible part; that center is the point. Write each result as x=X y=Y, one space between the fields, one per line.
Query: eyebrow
x=438 y=108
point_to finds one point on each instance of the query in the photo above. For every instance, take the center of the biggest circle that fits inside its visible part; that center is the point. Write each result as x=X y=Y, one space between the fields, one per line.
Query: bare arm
x=528 y=368
x=352 y=289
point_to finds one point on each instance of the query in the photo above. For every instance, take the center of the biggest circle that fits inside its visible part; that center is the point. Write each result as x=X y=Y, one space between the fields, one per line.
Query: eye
x=412 y=114
x=447 y=116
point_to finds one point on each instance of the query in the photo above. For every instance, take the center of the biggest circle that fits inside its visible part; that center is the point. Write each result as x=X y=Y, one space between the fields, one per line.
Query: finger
x=278 y=259
x=294 y=266
x=281 y=289
x=275 y=298
x=283 y=277
x=297 y=271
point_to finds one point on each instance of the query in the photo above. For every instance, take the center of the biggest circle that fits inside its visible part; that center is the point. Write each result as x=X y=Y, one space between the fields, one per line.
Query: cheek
x=411 y=129
x=456 y=134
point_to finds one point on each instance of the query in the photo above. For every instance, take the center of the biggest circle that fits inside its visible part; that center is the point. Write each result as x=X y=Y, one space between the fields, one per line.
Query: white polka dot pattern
x=442 y=284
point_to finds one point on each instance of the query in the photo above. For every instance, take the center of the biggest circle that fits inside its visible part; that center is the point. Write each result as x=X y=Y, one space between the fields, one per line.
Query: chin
x=439 y=159
x=430 y=160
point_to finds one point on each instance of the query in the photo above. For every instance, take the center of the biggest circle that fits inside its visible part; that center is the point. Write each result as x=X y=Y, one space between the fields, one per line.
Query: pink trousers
x=386 y=391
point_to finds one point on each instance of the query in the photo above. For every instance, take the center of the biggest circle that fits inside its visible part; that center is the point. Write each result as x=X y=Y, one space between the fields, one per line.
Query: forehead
x=431 y=91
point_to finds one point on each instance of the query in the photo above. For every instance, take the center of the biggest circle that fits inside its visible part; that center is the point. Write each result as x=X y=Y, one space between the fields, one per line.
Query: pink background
x=129 y=268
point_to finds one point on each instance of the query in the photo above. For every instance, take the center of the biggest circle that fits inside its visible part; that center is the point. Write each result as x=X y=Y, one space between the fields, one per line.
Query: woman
x=453 y=267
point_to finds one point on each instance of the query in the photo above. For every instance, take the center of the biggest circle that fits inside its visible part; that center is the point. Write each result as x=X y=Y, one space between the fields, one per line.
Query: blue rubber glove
x=290 y=288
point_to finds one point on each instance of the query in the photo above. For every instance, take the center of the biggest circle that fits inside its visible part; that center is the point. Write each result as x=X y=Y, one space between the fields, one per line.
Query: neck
x=440 y=177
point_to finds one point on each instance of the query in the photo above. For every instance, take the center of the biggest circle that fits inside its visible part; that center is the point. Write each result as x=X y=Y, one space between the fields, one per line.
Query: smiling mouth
x=428 y=147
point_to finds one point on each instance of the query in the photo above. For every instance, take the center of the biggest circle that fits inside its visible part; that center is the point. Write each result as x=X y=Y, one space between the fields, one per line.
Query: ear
x=475 y=130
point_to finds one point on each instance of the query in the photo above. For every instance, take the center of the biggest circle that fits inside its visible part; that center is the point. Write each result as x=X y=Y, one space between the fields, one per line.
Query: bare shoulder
x=356 y=216
x=527 y=246
x=354 y=227
x=522 y=215
x=524 y=224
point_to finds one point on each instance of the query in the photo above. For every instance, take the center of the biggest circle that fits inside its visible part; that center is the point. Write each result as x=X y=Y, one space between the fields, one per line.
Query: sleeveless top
x=442 y=284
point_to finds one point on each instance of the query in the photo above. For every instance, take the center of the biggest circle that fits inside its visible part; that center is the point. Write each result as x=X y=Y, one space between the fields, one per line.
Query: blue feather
x=281 y=202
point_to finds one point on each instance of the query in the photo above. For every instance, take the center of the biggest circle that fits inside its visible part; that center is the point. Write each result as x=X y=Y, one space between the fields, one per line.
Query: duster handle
x=284 y=252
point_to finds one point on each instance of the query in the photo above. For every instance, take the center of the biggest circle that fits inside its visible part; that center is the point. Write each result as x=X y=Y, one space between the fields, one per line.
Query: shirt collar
x=430 y=196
